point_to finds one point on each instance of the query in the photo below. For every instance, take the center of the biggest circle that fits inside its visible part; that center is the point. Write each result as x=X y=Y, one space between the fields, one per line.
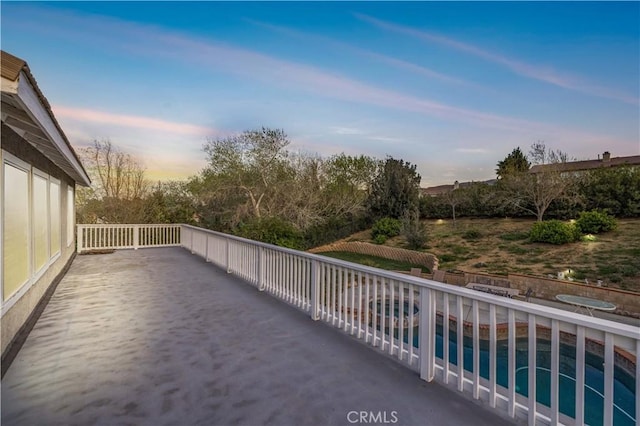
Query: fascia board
x=30 y=101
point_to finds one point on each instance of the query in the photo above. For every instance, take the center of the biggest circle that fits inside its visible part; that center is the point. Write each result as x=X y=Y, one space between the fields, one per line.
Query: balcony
x=159 y=336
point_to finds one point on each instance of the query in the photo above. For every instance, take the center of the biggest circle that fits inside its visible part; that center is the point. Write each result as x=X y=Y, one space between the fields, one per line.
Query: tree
x=119 y=185
x=535 y=191
x=169 y=202
x=252 y=176
x=454 y=198
x=395 y=190
x=540 y=155
x=516 y=162
x=414 y=231
x=615 y=189
x=252 y=163
x=479 y=199
x=347 y=183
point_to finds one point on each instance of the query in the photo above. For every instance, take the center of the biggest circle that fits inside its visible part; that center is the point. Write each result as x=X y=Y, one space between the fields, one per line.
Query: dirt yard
x=499 y=246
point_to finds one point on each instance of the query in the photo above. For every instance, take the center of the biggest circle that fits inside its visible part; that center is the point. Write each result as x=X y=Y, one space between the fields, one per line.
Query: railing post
x=136 y=237
x=80 y=239
x=315 y=291
x=427 y=334
x=261 y=268
x=228 y=256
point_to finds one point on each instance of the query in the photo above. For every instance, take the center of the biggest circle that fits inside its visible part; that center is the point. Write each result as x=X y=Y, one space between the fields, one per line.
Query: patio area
x=159 y=336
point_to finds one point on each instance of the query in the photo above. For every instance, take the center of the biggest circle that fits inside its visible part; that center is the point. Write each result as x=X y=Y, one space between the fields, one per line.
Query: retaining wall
x=628 y=302
x=416 y=257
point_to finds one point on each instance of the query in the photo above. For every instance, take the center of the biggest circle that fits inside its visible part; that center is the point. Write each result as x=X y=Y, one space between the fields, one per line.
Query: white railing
x=498 y=350
x=97 y=237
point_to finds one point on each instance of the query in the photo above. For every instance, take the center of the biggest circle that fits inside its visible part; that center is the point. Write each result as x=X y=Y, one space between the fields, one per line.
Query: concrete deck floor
x=159 y=337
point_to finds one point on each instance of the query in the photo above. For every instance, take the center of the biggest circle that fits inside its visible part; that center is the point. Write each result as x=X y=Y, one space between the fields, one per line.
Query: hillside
x=499 y=246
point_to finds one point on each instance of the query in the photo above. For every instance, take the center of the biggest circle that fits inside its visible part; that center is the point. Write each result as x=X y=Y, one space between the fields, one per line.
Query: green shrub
x=595 y=222
x=386 y=226
x=416 y=235
x=414 y=231
x=554 y=232
x=272 y=230
x=333 y=228
x=380 y=239
x=629 y=271
x=472 y=234
x=448 y=258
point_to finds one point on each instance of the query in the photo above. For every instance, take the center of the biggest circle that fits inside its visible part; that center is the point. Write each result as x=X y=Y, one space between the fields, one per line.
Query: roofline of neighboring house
x=17 y=80
x=576 y=166
x=443 y=189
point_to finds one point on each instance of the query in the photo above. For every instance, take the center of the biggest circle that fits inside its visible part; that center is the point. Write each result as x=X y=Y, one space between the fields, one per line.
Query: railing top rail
x=128 y=225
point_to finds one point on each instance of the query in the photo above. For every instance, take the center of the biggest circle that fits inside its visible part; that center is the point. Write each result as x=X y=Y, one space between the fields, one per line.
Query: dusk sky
x=452 y=87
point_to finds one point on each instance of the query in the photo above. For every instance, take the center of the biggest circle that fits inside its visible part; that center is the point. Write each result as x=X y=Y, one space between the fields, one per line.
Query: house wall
x=19 y=306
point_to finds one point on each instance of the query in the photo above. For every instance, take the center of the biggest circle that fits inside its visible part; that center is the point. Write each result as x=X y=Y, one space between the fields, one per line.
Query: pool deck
x=159 y=337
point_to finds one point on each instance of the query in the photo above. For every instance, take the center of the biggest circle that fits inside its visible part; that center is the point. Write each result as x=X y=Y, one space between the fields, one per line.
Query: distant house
x=581 y=166
x=38 y=178
x=434 y=191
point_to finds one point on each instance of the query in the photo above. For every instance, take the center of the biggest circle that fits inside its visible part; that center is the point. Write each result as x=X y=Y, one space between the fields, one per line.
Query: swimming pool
x=624 y=383
x=624 y=394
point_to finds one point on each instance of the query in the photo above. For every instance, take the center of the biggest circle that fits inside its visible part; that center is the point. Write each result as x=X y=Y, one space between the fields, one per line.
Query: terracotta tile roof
x=10 y=66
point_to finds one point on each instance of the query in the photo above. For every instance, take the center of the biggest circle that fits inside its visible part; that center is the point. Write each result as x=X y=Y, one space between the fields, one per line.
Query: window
x=32 y=225
x=40 y=221
x=54 y=214
x=16 y=228
x=71 y=221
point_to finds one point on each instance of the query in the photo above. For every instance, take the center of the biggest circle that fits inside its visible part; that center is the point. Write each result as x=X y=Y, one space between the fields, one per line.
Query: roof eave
x=25 y=94
x=30 y=95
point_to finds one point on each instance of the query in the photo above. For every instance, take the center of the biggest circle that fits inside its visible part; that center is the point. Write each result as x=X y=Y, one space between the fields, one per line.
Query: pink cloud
x=81 y=114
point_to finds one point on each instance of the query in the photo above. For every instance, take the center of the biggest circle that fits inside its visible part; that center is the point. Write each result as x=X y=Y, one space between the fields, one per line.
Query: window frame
x=38 y=272
x=71 y=214
x=54 y=255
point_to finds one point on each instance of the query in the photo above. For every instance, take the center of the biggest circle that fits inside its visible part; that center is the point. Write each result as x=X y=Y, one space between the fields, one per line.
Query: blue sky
x=452 y=87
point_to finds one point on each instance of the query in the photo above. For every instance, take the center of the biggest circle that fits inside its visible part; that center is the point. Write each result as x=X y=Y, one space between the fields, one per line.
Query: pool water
x=624 y=395
x=624 y=384
x=396 y=308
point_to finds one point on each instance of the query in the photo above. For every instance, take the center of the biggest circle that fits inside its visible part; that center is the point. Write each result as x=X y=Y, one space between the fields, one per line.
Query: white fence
x=493 y=348
x=99 y=237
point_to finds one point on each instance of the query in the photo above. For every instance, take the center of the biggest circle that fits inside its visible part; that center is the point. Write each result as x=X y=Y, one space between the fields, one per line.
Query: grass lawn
x=374 y=261
x=500 y=246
